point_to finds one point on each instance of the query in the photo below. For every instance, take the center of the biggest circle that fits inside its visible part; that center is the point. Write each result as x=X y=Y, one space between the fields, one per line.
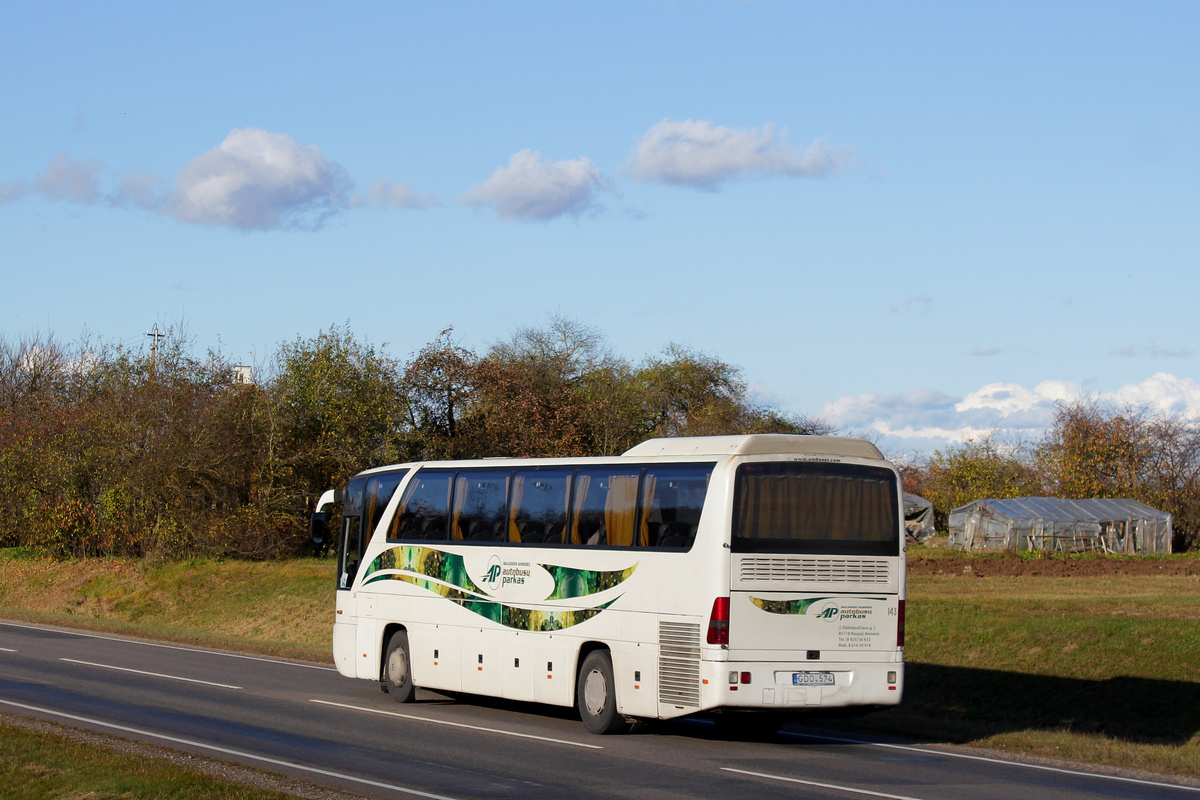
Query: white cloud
x=395 y=195
x=534 y=189
x=1162 y=391
x=1003 y=398
x=254 y=180
x=260 y=180
x=699 y=154
x=1152 y=350
x=763 y=395
x=73 y=181
x=928 y=419
x=918 y=304
x=12 y=190
x=141 y=190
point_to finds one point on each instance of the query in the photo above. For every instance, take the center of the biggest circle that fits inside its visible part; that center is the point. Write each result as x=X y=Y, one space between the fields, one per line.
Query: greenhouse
x=1104 y=525
x=918 y=518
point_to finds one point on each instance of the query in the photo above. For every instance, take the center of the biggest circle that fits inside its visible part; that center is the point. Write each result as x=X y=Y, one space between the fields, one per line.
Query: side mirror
x=318 y=527
x=318 y=521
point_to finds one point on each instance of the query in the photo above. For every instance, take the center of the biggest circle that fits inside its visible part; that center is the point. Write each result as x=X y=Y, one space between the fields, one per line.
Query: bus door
x=366 y=501
x=350 y=537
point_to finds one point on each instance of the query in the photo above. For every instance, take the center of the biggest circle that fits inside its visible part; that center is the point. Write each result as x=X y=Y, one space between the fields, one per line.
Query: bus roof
x=755 y=444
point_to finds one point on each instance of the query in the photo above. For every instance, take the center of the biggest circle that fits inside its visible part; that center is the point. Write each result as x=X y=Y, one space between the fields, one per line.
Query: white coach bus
x=750 y=577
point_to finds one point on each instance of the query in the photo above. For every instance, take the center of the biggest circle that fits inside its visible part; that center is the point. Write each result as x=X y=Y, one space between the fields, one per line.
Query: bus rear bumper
x=800 y=686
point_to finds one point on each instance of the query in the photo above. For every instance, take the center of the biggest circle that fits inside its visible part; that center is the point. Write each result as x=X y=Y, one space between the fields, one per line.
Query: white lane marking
x=1005 y=762
x=6 y=650
x=833 y=786
x=167 y=646
x=152 y=674
x=457 y=724
x=229 y=752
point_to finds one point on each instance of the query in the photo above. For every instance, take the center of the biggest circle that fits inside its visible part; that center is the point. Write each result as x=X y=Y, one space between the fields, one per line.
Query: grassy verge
x=281 y=608
x=1096 y=669
x=39 y=764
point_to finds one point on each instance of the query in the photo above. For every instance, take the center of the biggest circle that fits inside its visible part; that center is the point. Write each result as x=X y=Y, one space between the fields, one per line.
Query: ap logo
x=491 y=578
x=829 y=612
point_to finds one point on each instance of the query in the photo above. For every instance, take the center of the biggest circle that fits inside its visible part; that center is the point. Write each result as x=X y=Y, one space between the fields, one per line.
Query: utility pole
x=155 y=335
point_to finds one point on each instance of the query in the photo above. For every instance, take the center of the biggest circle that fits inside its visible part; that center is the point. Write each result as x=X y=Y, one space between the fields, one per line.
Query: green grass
x=37 y=766
x=1085 y=628
x=276 y=608
x=1088 y=669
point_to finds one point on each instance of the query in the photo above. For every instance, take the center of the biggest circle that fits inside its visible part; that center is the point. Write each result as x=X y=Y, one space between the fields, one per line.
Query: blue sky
x=921 y=221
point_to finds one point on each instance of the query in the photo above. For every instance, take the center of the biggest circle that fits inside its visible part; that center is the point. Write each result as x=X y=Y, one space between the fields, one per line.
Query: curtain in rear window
x=803 y=507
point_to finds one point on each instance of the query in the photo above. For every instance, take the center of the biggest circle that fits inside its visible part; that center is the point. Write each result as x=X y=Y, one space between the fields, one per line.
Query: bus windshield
x=815 y=507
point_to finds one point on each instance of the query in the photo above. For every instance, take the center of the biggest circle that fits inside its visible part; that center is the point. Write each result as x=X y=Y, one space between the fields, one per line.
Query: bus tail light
x=900 y=627
x=718 y=622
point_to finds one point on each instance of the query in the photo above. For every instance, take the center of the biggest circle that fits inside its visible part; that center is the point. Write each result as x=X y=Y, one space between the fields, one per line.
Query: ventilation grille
x=679 y=664
x=815 y=570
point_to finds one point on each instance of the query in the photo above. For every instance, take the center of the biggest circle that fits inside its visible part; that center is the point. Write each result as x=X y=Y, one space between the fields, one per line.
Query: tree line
x=1090 y=450
x=109 y=451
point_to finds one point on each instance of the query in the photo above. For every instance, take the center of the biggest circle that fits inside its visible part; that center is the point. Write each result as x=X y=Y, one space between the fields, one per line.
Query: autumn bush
x=106 y=451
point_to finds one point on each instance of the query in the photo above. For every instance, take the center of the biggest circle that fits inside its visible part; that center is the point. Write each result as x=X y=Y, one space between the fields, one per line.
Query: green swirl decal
x=449 y=568
x=799 y=606
x=532 y=619
x=785 y=606
x=571 y=582
x=446 y=567
x=448 y=592
x=445 y=574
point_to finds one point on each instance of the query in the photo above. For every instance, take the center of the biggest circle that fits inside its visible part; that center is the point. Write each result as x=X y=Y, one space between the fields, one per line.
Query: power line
x=155 y=335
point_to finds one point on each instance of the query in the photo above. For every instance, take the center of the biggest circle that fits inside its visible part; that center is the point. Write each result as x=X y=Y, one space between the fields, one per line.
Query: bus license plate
x=812 y=679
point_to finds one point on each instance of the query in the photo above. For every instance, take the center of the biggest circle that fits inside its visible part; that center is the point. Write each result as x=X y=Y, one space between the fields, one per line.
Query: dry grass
x=35 y=765
x=284 y=608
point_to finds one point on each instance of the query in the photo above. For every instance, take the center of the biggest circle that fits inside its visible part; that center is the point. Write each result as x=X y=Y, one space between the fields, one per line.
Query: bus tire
x=596 y=695
x=397 y=668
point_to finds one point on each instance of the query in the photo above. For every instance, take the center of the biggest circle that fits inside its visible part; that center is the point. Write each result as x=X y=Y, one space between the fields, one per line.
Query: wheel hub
x=595 y=692
x=398 y=668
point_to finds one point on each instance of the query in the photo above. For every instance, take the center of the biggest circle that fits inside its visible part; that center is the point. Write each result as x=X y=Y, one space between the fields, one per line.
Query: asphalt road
x=309 y=722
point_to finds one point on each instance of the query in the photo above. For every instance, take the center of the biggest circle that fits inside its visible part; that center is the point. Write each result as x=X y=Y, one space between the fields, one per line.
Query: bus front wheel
x=397 y=668
x=596 y=696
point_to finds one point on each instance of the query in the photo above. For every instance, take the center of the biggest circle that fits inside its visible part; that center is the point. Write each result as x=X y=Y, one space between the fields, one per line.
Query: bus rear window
x=819 y=508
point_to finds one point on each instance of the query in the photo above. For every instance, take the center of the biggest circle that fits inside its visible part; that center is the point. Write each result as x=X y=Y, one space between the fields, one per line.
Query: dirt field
x=1053 y=567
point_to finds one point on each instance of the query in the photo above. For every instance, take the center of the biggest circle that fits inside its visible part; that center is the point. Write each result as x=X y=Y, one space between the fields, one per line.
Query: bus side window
x=672 y=500
x=380 y=489
x=605 y=507
x=480 y=498
x=424 y=509
x=539 y=507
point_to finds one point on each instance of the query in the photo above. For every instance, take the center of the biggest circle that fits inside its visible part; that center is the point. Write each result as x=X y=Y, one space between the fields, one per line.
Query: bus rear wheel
x=397 y=668
x=596 y=696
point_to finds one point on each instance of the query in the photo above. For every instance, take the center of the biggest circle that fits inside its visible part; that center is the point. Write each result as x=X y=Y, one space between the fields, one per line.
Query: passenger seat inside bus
x=532 y=532
x=483 y=530
x=675 y=534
